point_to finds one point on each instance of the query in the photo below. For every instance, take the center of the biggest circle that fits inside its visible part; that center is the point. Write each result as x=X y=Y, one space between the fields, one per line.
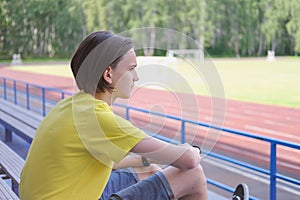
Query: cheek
x=125 y=81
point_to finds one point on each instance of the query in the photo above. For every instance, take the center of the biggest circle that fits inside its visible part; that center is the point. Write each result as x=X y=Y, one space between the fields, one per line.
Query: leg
x=123 y=178
x=167 y=184
x=155 y=187
x=190 y=184
x=118 y=180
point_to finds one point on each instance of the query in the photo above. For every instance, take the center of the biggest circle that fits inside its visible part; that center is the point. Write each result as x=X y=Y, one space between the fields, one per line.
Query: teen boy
x=78 y=142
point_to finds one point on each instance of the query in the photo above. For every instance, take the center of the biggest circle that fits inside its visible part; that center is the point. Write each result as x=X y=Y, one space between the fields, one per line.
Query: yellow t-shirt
x=75 y=146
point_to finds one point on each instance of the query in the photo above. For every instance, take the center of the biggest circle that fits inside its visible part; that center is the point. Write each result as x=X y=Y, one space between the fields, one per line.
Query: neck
x=105 y=96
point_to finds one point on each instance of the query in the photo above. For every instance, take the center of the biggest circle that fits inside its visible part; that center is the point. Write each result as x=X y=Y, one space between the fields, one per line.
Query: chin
x=125 y=96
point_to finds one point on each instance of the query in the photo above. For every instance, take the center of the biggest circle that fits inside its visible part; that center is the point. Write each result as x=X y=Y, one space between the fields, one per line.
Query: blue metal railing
x=12 y=88
x=24 y=94
x=273 y=144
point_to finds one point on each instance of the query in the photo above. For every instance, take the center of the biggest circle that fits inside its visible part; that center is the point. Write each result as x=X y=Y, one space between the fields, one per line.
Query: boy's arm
x=130 y=161
x=181 y=156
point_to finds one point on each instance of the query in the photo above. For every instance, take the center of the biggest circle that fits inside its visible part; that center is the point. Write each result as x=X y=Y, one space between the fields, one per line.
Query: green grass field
x=261 y=81
x=253 y=80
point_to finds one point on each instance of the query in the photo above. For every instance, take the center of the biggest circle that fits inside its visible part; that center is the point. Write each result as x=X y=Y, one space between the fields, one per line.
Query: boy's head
x=95 y=54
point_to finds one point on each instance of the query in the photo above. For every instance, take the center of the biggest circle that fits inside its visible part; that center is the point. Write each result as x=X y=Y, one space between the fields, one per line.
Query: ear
x=107 y=75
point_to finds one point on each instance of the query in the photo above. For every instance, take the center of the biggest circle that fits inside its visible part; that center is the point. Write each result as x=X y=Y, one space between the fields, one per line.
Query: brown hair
x=86 y=46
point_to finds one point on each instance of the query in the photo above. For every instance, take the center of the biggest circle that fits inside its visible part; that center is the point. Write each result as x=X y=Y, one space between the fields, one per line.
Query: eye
x=132 y=68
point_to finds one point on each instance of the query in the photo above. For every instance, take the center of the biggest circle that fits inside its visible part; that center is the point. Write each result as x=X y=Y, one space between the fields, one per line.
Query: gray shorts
x=125 y=184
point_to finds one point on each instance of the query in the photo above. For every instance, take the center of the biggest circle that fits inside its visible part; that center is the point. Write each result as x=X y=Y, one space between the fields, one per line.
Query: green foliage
x=53 y=28
x=40 y=28
x=293 y=25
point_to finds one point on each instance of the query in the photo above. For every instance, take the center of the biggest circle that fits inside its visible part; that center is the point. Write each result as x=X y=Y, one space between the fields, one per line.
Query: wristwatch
x=145 y=162
x=196 y=146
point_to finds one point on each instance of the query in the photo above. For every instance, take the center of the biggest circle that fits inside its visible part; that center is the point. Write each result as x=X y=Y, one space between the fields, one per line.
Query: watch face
x=145 y=162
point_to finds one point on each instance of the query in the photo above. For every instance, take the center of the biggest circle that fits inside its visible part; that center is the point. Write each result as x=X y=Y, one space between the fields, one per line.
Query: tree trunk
x=260 y=45
x=149 y=42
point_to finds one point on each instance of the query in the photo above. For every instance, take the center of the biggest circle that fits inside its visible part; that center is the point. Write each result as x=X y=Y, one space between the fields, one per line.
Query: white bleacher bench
x=24 y=123
x=11 y=166
x=16 y=119
x=5 y=192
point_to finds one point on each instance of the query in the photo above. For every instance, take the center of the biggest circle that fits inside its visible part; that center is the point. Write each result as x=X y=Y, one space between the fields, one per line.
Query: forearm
x=130 y=161
x=181 y=156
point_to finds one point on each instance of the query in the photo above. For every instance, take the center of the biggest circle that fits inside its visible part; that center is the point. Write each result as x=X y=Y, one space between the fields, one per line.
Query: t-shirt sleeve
x=121 y=134
x=108 y=137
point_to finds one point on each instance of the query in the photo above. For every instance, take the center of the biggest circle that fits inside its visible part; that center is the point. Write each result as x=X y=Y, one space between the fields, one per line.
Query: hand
x=198 y=152
x=195 y=149
x=196 y=146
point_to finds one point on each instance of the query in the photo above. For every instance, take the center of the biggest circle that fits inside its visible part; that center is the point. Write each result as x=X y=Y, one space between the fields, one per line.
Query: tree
x=293 y=25
x=53 y=28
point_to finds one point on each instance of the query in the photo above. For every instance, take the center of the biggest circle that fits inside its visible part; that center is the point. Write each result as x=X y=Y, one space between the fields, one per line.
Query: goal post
x=196 y=54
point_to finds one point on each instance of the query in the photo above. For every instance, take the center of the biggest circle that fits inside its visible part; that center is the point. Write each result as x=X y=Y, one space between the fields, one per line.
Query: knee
x=199 y=177
x=197 y=181
x=200 y=171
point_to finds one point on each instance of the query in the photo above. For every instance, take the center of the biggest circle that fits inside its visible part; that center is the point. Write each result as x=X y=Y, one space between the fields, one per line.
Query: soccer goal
x=194 y=54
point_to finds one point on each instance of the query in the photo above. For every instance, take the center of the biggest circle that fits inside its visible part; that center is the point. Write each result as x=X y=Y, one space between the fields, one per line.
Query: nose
x=135 y=76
